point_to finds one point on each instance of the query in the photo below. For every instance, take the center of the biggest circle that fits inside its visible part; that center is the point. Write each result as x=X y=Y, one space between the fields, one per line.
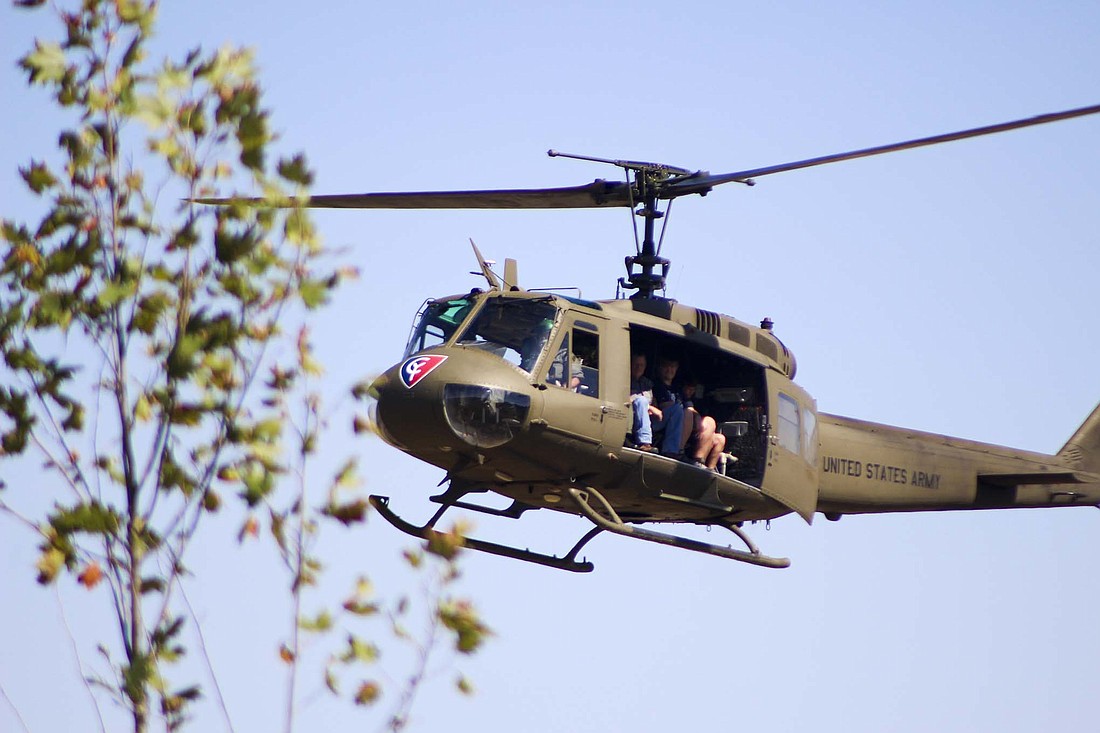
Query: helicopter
x=528 y=394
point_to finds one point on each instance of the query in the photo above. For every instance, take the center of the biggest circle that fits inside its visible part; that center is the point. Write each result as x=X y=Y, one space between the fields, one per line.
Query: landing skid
x=612 y=523
x=568 y=562
x=604 y=517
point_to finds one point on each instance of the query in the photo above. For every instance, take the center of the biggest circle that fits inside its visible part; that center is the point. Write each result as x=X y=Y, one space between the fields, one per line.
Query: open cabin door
x=586 y=390
x=791 y=472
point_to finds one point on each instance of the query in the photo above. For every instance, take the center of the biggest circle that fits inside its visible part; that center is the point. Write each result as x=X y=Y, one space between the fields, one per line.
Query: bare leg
x=704 y=441
x=691 y=425
x=718 y=445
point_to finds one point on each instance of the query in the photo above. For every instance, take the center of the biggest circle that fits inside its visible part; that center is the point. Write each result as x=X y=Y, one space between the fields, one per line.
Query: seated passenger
x=671 y=405
x=558 y=370
x=641 y=402
x=566 y=363
x=706 y=442
x=685 y=428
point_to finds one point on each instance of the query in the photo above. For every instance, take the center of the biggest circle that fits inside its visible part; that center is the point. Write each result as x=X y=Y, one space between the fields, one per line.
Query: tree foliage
x=137 y=332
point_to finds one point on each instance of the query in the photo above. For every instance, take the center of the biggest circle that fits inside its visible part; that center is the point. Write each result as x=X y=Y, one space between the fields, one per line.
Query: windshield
x=438 y=320
x=515 y=330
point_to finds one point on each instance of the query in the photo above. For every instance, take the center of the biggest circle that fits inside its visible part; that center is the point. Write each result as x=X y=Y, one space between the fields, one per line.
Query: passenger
x=566 y=363
x=707 y=443
x=641 y=402
x=684 y=426
x=671 y=405
x=558 y=369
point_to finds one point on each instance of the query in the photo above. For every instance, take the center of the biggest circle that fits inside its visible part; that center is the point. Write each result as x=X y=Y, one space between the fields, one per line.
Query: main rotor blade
x=705 y=183
x=597 y=194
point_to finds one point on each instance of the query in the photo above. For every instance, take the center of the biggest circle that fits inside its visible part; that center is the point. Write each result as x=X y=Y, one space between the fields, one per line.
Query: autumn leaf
x=91 y=575
x=250 y=528
x=367 y=693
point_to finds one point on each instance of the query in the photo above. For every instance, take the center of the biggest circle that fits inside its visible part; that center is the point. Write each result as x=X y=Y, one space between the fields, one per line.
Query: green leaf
x=74 y=420
x=314 y=293
x=460 y=617
x=38 y=177
x=49 y=565
x=464 y=685
x=359 y=651
x=130 y=11
x=52 y=309
x=211 y=501
x=295 y=170
x=115 y=292
x=444 y=544
x=149 y=310
x=45 y=64
x=360 y=608
x=135 y=677
x=321 y=622
x=133 y=52
x=152 y=585
x=91 y=517
x=332 y=682
x=143 y=408
x=229 y=247
x=299 y=229
x=181 y=359
x=165 y=632
x=350 y=513
x=258 y=483
x=347 y=476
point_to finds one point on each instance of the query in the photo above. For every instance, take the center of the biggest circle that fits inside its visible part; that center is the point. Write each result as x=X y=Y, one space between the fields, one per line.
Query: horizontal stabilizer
x=1009 y=480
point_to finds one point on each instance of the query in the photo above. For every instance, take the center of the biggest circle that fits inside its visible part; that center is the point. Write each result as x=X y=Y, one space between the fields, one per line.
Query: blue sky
x=950 y=289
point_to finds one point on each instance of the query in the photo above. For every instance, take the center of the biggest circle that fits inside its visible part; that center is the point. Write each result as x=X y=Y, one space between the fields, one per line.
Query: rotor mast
x=647 y=280
x=649 y=181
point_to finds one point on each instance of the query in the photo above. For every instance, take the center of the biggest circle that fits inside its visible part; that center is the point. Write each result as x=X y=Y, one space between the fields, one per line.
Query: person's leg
x=643 y=426
x=718 y=446
x=674 y=424
x=690 y=427
x=704 y=438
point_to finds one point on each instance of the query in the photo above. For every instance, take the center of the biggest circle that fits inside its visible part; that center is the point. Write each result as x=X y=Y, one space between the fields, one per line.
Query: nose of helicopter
x=433 y=404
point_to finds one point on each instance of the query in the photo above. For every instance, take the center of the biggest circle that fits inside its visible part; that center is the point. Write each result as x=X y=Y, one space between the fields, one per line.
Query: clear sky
x=951 y=290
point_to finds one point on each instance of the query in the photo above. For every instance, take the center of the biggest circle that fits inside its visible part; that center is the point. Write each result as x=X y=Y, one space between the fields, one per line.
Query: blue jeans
x=643 y=426
x=673 y=423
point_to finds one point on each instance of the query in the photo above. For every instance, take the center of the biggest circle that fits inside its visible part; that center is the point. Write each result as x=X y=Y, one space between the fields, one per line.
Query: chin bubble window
x=484 y=417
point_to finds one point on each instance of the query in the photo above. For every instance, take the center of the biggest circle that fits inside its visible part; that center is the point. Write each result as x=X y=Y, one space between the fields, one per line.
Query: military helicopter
x=527 y=394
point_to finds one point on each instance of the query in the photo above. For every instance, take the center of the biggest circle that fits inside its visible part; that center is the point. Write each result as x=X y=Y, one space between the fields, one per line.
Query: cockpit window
x=513 y=329
x=438 y=321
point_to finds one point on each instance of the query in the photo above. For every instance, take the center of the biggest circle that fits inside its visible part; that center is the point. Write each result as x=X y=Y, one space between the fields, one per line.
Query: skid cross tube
x=568 y=562
x=616 y=525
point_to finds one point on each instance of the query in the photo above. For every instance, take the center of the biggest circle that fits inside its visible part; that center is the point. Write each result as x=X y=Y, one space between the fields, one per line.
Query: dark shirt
x=641 y=385
x=663 y=393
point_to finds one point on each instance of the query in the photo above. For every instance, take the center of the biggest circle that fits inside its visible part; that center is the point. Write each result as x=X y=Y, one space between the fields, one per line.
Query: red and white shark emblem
x=418 y=367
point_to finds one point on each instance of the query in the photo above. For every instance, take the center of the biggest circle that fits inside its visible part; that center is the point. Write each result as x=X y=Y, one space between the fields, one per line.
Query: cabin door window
x=789 y=430
x=576 y=363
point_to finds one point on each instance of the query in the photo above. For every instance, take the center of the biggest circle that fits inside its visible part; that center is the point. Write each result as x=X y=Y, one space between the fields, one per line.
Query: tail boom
x=869 y=468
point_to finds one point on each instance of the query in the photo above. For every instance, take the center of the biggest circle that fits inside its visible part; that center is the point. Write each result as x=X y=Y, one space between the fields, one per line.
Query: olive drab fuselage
x=528 y=395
